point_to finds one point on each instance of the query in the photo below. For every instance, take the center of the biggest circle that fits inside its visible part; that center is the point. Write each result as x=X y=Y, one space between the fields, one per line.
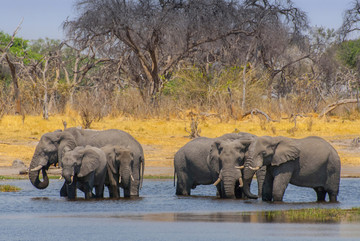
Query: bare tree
x=351 y=20
x=150 y=37
x=275 y=26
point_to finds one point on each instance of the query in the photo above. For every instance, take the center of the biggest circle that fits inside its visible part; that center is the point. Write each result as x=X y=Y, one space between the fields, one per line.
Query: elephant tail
x=174 y=176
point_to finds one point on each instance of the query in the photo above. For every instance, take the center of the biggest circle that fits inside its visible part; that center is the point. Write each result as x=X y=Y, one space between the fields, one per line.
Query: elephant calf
x=120 y=165
x=84 y=168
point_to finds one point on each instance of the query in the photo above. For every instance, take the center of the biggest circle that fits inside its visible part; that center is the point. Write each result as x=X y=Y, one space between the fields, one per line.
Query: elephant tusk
x=217 y=181
x=239 y=167
x=60 y=177
x=72 y=179
x=36 y=168
x=132 y=178
x=254 y=168
x=120 y=180
x=241 y=184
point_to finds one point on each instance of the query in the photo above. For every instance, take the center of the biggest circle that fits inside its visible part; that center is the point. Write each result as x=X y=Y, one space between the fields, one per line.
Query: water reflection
x=233 y=217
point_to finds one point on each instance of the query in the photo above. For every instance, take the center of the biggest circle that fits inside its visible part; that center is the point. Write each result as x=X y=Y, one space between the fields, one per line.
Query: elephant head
x=120 y=162
x=265 y=151
x=79 y=162
x=49 y=150
x=226 y=158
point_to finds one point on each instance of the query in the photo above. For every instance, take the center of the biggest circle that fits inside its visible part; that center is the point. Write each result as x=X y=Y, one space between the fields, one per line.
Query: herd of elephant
x=91 y=160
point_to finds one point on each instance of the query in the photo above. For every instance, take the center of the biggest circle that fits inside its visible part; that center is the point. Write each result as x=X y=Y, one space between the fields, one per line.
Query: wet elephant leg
x=321 y=193
x=63 y=191
x=71 y=190
x=135 y=185
x=280 y=184
x=183 y=184
x=267 y=189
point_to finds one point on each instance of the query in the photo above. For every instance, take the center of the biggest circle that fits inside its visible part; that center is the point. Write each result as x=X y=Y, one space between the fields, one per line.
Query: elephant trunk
x=34 y=172
x=248 y=176
x=68 y=176
x=229 y=179
x=125 y=180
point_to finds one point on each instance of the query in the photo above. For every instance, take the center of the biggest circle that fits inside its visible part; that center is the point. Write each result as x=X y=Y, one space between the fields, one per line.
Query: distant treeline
x=159 y=58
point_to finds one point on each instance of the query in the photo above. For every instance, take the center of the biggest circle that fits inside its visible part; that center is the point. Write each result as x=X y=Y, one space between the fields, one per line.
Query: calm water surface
x=159 y=214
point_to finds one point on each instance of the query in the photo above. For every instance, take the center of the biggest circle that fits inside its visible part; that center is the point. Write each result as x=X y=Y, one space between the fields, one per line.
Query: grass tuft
x=9 y=188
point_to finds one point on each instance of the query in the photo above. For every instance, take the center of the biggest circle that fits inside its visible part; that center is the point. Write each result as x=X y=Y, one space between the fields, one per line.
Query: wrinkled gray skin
x=198 y=163
x=309 y=162
x=53 y=145
x=85 y=168
x=120 y=162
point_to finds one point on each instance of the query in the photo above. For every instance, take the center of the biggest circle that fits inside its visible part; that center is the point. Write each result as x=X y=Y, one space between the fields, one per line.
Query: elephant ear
x=285 y=150
x=90 y=161
x=67 y=143
x=213 y=157
x=246 y=143
x=110 y=152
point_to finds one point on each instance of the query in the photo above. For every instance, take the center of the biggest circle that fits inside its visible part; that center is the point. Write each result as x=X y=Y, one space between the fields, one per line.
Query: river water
x=159 y=214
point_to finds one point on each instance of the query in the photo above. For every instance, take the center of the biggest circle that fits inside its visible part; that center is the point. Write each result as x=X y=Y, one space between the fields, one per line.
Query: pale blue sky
x=43 y=18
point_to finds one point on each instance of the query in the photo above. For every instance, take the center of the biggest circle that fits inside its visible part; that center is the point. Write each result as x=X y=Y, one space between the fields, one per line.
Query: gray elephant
x=53 y=145
x=197 y=163
x=120 y=162
x=309 y=162
x=84 y=168
x=226 y=159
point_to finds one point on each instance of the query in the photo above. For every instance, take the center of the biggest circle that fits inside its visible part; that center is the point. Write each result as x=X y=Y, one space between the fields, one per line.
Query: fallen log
x=332 y=106
x=257 y=111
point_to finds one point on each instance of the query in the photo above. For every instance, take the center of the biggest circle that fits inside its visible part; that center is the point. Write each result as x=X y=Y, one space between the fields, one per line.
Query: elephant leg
x=281 y=181
x=127 y=192
x=333 y=196
x=88 y=191
x=239 y=192
x=267 y=188
x=183 y=184
x=71 y=191
x=99 y=191
x=135 y=185
x=321 y=193
x=63 y=191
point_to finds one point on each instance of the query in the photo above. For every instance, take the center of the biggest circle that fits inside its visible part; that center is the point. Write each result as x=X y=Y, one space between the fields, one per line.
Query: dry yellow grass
x=161 y=138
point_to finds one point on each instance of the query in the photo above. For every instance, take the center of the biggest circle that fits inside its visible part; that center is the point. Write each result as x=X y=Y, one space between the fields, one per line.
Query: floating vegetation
x=313 y=215
x=9 y=188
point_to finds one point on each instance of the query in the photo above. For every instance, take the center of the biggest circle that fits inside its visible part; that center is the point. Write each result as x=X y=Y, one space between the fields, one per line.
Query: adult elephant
x=120 y=162
x=85 y=168
x=309 y=162
x=53 y=145
x=196 y=164
x=226 y=159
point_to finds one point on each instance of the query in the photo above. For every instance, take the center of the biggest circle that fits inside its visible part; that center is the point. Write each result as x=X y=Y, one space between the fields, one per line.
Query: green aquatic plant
x=313 y=215
x=9 y=188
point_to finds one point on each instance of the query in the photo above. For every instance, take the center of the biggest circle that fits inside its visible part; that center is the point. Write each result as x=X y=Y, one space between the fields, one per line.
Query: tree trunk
x=16 y=86
x=45 y=105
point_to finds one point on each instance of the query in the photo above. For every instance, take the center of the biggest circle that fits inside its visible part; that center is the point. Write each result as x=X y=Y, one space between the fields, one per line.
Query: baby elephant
x=84 y=168
x=120 y=162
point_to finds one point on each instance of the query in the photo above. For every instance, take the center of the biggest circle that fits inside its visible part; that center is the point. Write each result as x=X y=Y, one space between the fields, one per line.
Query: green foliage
x=19 y=48
x=349 y=53
x=9 y=188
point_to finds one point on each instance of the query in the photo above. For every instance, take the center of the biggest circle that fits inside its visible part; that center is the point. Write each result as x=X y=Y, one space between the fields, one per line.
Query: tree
x=351 y=20
x=149 y=38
